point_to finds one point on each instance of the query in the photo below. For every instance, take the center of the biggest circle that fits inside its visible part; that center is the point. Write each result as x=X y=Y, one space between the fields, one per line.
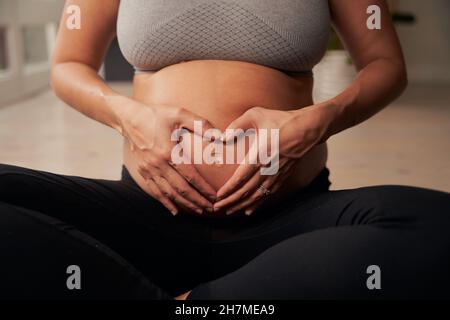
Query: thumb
x=238 y=126
x=194 y=123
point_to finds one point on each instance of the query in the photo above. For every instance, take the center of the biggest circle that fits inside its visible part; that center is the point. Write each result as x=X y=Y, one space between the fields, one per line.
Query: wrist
x=321 y=117
x=329 y=113
x=124 y=110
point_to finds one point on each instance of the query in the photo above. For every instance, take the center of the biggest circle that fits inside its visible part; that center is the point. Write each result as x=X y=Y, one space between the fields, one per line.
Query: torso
x=221 y=91
x=238 y=54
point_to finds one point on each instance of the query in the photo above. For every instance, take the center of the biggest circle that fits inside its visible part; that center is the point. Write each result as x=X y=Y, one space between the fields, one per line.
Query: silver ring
x=264 y=190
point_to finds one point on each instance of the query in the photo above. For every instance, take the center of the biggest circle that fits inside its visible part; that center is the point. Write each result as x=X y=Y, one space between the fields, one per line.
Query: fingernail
x=228 y=212
x=199 y=211
x=174 y=212
x=248 y=212
x=210 y=209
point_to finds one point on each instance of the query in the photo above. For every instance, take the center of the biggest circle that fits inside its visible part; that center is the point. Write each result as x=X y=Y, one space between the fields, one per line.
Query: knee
x=11 y=181
x=6 y=172
x=391 y=205
x=6 y=169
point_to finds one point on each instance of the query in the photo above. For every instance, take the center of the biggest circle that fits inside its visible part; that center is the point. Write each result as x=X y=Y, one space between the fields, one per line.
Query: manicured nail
x=174 y=212
x=248 y=212
x=199 y=211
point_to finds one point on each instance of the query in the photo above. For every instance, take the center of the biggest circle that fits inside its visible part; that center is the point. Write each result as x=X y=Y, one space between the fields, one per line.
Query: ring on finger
x=264 y=190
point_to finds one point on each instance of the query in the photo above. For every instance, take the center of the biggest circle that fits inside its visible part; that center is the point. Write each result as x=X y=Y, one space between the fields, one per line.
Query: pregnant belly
x=221 y=91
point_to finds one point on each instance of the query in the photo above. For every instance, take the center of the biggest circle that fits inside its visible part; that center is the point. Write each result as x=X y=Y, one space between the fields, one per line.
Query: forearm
x=82 y=88
x=375 y=86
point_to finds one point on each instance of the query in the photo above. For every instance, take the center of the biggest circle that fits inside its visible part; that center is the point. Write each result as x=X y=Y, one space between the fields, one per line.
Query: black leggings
x=316 y=244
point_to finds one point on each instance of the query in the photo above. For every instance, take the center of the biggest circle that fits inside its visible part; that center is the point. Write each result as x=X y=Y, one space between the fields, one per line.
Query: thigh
x=414 y=212
x=392 y=206
x=321 y=246
x=169 y=250
x=44 y=258
x=338 y=263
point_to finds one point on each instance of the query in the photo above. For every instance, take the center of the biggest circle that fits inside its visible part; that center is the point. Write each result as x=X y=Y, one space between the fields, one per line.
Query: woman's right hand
x=148 y=130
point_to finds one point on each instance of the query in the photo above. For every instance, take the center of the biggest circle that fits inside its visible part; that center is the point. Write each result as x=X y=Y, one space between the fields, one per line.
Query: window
x=4 y=63
x=35 y=44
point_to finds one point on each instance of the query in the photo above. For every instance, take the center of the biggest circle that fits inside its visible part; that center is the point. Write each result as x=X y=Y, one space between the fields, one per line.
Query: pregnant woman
x=226 y=231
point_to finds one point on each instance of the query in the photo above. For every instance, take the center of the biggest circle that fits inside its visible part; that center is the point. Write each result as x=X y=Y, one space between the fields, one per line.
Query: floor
x=408 y=143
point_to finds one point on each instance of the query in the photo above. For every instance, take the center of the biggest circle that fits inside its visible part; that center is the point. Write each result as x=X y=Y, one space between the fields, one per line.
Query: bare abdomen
x=221 y=91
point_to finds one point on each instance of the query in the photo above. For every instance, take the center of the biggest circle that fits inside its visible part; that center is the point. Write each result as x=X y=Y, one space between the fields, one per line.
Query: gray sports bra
x=288 y=35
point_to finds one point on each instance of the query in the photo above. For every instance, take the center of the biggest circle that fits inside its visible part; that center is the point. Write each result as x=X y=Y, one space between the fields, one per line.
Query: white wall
x=427 y=42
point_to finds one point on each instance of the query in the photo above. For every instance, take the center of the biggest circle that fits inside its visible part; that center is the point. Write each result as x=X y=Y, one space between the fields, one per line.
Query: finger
x=250 y=209
x=257 y=196
x=253 y=207
x=249 y=187
x=157 y=191
x=276 y=186
x=192 y=121
x=241 y=193
x=242 y=174
x=244 y=122
x=144 y=173
x=157 y=194
x=273 y=189
x=193 y=177
x=184 y=189
x=170 y=193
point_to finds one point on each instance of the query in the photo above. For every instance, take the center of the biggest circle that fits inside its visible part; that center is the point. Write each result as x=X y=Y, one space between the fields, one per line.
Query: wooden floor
x=408 y=143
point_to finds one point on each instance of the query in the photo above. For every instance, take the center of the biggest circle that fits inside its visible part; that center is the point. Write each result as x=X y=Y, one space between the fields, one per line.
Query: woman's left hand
x=299 y=131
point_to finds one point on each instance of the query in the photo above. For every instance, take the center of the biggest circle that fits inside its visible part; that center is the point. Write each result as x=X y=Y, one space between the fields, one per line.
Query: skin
x=195 y=84
x=225 y=94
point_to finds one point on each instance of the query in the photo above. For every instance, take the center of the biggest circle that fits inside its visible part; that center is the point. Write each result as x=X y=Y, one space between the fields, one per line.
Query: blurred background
x=407 y=143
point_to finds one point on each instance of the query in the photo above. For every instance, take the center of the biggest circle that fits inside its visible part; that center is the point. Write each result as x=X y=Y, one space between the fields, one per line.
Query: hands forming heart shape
x=298 y=131
x=179 y=184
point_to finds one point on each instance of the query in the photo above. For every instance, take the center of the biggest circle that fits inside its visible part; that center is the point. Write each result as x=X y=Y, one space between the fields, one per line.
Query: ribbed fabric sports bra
x=288 y=35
